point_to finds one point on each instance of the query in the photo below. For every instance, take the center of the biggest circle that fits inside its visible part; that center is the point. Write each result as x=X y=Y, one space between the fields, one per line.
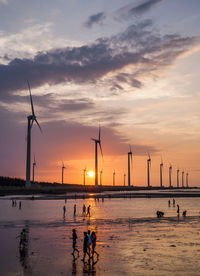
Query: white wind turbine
x=148 y=170
x=63 y=168
x=34 y=165
x=31 y=119
x=129 y=166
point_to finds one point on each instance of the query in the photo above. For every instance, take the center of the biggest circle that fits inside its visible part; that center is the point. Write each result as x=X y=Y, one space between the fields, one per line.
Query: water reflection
x=24 y=252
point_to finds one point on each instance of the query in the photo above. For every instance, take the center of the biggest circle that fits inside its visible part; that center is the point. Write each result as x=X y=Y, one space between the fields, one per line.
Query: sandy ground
x=168 y=246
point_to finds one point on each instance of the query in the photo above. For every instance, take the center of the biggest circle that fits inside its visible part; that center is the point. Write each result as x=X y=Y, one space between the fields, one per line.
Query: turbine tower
x=161 y=177
x=101 y=174
x=97 y=141
x=148 y=170
x=124 y=179
x=31 y=118
x=114 y=178
x=187 y=180
x=34 y=165
x=182 y=179
x=84 y=172
x=177 y=178
x=63 y=167
x=129 y=166
x=170 y=176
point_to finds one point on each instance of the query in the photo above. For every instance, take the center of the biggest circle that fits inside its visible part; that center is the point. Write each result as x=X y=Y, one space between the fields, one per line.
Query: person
x=23 y=239
x=85 y=246
x=74 y=209
x=178 y=209
x=169 y=203
x=184 y=213
x=64 y=210
x=84 y=209
x=88 y=210
x=94 y=240
x=20 y=205
x=74 y=238
x=174 y=202
x=160 y=214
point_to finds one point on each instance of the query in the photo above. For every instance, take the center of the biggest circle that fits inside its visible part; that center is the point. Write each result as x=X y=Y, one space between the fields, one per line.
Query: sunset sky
x=130 y=66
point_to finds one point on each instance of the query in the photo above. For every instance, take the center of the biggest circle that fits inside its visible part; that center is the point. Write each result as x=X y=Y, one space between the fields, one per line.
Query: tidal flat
x=131 y=240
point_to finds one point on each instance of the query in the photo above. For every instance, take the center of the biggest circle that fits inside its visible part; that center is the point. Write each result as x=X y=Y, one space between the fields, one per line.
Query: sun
x=91 y=174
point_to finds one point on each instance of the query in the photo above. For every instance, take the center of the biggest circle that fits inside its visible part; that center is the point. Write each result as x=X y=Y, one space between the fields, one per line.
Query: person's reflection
x=74 y=269
x=23 y=252
x=89 y=267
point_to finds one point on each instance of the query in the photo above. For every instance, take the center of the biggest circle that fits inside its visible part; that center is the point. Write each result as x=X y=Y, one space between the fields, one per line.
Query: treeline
x=8 y=181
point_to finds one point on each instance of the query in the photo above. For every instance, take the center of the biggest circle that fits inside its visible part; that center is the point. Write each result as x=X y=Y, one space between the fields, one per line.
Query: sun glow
x=91 y=174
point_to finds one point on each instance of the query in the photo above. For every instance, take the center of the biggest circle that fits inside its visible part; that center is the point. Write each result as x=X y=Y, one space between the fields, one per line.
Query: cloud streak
x=95 y=19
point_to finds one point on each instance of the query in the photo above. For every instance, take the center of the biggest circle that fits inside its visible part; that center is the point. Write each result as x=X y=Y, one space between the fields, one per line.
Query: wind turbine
x=34 y=165
x=63 y=167
x=114 y=178
x=101 y=173
x=183 y=179
x=187 y=180
x=124 y=179
x=161 y=169
x=170 y=176
x=148 y=170
x=84 y=172
x=31 y=118
x=177 y=178
x=129 y=166
x=97 y=141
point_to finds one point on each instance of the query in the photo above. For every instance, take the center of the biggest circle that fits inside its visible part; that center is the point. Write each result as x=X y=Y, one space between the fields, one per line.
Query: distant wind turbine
x=161 y=175
x=183 y=179
x=124 y=179
x=177 y=178
x=148 y=170
x=63 y=168
x=170 y=176
x=187 y=180
x=101 y=175
x=84 y=172
x=129 y=166
x=34 y=165
x=114 y=178
x=31 y=119
x=97 y=141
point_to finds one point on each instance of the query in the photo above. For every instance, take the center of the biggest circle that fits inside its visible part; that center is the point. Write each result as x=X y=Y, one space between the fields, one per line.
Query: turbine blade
x=99 y=133
x=101 y=149
x=38 y=124
x=33 y=113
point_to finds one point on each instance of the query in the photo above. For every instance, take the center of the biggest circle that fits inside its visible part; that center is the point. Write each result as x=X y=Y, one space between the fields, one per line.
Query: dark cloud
x=137 y=47
x=95 y=19
x=132 y=9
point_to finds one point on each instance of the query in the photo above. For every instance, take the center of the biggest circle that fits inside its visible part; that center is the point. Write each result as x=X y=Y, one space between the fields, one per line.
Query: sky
x=131 y=67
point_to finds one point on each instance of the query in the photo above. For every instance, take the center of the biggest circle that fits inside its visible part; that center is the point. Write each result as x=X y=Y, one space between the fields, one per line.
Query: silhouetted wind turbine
x=183 y=179
x=161 y=178
x=114 y=178
x=101 y=174
x=187 y=180
x=84 y=172
x=148 y=170
x=129 y=166
x=34 y=165
x=97 y=141
x=177 y=178
x=124 y=179
x=170 y=176
x=63 y=167
x=31 y=119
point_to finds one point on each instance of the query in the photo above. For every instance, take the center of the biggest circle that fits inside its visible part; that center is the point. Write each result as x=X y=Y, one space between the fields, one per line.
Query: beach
x=131 y=240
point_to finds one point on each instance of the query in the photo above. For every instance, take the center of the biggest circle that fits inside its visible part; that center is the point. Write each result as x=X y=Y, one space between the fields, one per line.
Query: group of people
x=14 y=203
x=161 y=214
x=89 y=245
x=85 y=210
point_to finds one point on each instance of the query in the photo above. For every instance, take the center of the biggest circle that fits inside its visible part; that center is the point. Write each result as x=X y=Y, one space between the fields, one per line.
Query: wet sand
x=127 y=245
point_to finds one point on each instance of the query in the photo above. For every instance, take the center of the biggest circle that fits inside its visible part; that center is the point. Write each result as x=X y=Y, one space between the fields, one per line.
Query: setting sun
x=91 y=174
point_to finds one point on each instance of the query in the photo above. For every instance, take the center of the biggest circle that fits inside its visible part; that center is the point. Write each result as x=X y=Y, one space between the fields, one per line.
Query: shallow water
x=130 y=239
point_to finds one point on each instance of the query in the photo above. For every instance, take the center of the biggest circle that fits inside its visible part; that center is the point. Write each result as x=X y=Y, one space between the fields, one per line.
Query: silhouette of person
x=184 y=213
x=64 y=210
x=178 y=209
x=174 y=202
x=85 y=246
x=20 y=205
x=84 y=209
x=74 y=209
x=74 y=238
x=169 y=203
x=94 y=240
x=88 y=211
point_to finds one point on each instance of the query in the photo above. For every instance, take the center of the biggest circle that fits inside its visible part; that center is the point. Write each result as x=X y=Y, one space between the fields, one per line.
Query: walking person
x=20 y=205
x=85 y=246
x=169 y=203
x=178 y=210
x=84 y=209
x=64 y=210
x=88 y=211
x=74 y=238
x=74 y=210
x=94 y=240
